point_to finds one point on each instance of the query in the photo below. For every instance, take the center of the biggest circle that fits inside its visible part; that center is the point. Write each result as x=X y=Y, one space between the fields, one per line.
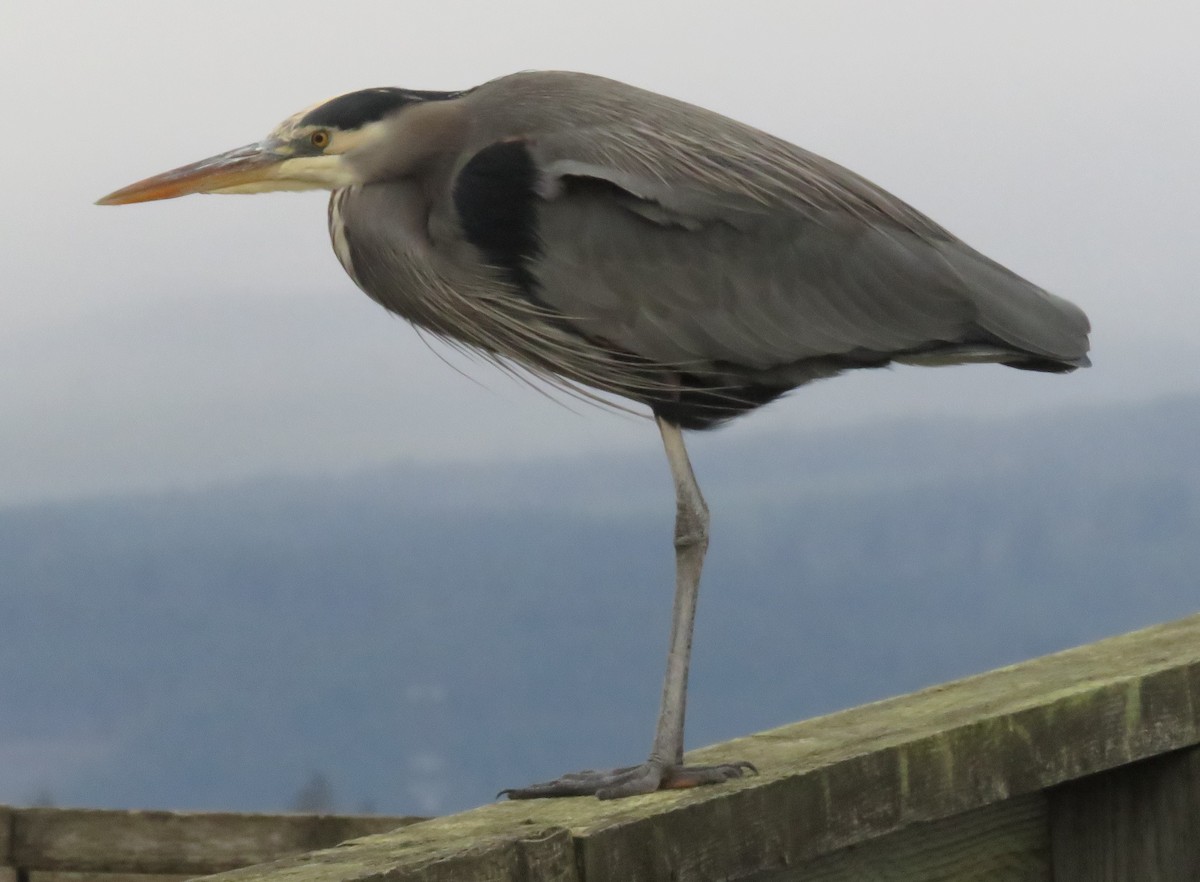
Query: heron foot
x=631 y=780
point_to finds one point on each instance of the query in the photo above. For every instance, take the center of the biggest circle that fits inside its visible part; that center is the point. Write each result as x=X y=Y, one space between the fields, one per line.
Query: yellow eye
x=319 y=139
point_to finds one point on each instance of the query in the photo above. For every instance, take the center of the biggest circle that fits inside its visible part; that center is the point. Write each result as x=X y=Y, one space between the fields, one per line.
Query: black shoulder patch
x=356 y=109
x=496 y=200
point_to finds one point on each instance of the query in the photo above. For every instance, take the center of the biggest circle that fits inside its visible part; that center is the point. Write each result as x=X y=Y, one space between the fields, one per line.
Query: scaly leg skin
x=664 y=769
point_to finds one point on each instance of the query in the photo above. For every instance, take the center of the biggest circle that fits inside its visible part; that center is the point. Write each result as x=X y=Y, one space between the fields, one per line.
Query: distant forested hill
x=424 y=637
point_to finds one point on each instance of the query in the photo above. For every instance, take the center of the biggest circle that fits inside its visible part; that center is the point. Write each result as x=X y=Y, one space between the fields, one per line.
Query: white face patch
x=340 y=141
x=296 y=173
x=301 y=169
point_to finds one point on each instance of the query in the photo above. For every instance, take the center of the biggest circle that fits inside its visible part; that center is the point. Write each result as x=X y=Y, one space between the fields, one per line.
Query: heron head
x=311 y=150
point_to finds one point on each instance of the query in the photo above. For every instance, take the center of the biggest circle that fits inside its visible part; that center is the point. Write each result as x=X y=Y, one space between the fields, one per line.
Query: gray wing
x=684 y=237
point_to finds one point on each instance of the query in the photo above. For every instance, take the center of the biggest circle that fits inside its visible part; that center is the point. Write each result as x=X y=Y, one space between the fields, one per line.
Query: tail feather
x=1051 y=331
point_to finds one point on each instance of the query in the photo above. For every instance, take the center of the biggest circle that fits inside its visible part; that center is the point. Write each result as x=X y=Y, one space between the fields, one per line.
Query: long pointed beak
x=244 y=166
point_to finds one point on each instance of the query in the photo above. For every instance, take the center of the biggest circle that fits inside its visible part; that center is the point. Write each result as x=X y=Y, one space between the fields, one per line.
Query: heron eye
x=319 y=139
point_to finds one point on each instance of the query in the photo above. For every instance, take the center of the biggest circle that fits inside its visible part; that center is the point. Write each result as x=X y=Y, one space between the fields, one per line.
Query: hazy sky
x=215 y=337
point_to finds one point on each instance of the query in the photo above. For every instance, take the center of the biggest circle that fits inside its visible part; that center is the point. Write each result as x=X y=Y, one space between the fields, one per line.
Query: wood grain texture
x=827 y=783
x=175 y=843
x=1139 y=823
x=474 y=850
x=1006 y=842
x=64 y=876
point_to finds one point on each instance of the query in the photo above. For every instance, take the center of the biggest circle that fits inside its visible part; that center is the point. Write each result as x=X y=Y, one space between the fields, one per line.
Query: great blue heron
x=604 y=237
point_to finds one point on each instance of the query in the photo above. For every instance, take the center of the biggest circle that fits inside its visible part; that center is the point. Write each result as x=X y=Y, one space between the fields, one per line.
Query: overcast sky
x=210 y=338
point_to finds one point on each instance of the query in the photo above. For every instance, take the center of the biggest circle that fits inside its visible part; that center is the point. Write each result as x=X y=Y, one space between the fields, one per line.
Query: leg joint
x=691 y=526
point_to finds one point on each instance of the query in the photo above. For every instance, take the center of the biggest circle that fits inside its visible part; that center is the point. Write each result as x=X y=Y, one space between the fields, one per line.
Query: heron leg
x=691 y=544
x=664 y=769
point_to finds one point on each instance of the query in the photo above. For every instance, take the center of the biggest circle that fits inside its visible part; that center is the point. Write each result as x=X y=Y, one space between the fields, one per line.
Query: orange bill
x=224 y=172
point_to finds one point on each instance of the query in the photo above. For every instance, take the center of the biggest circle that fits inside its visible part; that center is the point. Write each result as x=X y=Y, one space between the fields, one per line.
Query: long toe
x=645 y=778
x=697 y=776
x=631 y=780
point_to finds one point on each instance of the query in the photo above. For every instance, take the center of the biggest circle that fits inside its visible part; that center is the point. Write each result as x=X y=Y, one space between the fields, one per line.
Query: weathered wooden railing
x=91 y=845
x=1077 y=766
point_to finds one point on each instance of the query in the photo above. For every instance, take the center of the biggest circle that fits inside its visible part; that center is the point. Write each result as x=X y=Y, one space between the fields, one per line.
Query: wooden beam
x=64 y=876
x=826 y=783
x=6 y=815
x=173 y=843
x=7 y=872
x=1005 y=842
x=1138 y=823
